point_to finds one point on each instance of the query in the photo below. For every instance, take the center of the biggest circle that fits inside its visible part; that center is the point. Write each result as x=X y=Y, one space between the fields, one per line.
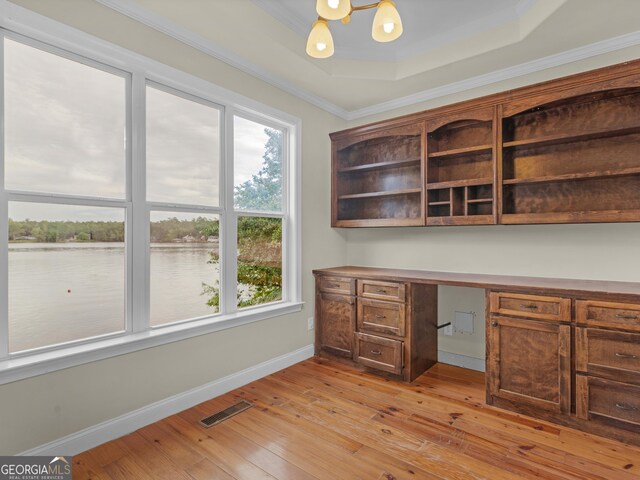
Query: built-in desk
x=560 y=349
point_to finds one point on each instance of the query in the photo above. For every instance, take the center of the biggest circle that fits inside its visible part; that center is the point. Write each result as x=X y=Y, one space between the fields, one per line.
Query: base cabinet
x=386 y=326
x=530 y=363
x=337 y=319
x=562 y=351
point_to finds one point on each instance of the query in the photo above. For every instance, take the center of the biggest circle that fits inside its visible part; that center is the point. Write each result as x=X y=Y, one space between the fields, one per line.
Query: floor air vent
x=223 y=415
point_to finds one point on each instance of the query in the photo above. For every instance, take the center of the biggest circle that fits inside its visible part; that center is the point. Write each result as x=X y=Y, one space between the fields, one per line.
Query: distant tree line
x=65 y=231
x=164 y=231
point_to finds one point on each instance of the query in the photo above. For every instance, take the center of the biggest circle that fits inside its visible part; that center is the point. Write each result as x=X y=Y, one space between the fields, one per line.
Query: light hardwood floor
x=321 y=419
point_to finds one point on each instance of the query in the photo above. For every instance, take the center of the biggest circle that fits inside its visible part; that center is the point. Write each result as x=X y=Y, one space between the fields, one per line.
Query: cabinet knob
x=494 y=324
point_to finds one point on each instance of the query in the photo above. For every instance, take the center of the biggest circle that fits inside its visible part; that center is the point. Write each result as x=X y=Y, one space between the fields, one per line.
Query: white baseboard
x=461 y=361
x=117 y=427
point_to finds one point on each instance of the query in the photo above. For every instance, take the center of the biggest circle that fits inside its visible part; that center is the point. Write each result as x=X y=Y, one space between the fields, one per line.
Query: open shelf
x=571 y=138
x=460 y=183
x=623 y=172
x=568 y=153
x=367 y=167
x=456 y=152
x=387 y=193
x=584 y=216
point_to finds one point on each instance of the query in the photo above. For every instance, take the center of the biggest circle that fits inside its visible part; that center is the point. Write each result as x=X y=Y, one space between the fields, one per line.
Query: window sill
x=37 y=364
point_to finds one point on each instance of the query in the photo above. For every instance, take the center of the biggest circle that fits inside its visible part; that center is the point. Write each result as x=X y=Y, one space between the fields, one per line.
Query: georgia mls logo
x=35 y=468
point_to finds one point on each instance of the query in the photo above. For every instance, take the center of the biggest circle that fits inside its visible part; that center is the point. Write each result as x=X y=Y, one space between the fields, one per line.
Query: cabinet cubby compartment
x=460 y=161
x=464 y=201
x=378 y=178
x=575 y=160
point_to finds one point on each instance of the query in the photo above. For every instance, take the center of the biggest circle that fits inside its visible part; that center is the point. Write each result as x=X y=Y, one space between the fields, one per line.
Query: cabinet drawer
x=390 y=291
x=378 y=352
x=610 y=402
x=381 y=317
x=608 y=314
x=531 y=306
x=608 y=354
x=344 y=285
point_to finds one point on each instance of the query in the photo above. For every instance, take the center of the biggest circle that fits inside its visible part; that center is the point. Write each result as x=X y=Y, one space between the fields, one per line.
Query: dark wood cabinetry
x=567 y=351
x=564 y=151
x=529 y=359
x=390 y=326
x=378 y=178
x=608 y=364
x=336 y=311
x=460 y=169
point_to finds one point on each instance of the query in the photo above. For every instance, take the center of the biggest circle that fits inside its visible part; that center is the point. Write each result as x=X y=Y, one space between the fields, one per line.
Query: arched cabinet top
x=415 y=129
x=573 y=94
x=460 y=118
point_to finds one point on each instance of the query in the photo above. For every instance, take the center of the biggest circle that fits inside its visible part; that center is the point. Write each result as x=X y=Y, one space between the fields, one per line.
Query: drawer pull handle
x=376 y=352
x=625 y=355
x=334 y=285
x=628 y=408
x=381 y=316
x=381 y=290
x=529 y=307
x=626 y=317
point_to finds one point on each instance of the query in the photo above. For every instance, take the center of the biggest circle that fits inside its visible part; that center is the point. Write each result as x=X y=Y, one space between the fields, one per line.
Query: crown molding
x=594 y=49
x=221 y=53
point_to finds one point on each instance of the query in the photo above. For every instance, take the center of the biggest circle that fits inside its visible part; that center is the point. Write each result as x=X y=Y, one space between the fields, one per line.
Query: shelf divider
x=623 y=172
x=387 y=193
x=572 y=137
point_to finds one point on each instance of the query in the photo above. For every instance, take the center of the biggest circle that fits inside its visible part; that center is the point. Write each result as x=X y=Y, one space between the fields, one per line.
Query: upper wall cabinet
x=565 y=151
x=573 y=160
x=377 y=178
x=460 y=169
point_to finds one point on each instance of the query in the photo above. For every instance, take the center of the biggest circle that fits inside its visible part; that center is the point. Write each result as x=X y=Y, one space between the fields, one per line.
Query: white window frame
x=27 y=27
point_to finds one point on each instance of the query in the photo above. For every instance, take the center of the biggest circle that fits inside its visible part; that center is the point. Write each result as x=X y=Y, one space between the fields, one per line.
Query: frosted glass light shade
x=333 y=9
x=387 y=25
x=320 y=41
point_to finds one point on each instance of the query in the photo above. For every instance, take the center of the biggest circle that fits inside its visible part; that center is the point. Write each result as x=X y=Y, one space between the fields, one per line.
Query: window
x=64 y=162
x=258 y=175
x=125 y=220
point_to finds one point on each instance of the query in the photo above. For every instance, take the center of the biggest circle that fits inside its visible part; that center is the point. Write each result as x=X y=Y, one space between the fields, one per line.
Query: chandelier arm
x=364 y=7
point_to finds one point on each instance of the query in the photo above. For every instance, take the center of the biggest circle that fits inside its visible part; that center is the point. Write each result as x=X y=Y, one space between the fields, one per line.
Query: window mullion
x=138 y=248
x=229 y=226
x=4 y=227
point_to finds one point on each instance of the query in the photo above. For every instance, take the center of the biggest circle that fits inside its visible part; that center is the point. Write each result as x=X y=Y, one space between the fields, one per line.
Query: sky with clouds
x=65 y=133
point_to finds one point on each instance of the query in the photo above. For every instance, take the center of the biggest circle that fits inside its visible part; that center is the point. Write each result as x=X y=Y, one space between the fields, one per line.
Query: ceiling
x=428 y=24
x=447 y=45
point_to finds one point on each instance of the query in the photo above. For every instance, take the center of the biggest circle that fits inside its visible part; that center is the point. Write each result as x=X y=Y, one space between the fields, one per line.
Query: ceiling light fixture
x=387 y=25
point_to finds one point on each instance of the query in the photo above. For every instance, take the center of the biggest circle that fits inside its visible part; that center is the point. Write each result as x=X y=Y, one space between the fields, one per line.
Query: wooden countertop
x=555 y=286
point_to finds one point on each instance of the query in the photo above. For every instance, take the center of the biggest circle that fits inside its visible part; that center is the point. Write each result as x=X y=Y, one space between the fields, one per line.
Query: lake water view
x=60 y=292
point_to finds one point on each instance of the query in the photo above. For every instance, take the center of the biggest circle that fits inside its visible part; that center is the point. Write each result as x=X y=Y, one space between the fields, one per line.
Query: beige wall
x=600 y=251
x=44 y=408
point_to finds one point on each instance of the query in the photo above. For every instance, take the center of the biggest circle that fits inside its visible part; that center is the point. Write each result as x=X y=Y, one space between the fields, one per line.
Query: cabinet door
x=529 y=363
x=336 y=320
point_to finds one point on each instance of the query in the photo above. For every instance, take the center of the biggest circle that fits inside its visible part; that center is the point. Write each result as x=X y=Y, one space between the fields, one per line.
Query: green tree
x=263 y=191
x=259 y=238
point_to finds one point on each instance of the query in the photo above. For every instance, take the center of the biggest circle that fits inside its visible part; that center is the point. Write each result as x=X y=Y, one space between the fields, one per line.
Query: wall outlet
x=464 y=322
x=310 y=323
x=448 y=330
